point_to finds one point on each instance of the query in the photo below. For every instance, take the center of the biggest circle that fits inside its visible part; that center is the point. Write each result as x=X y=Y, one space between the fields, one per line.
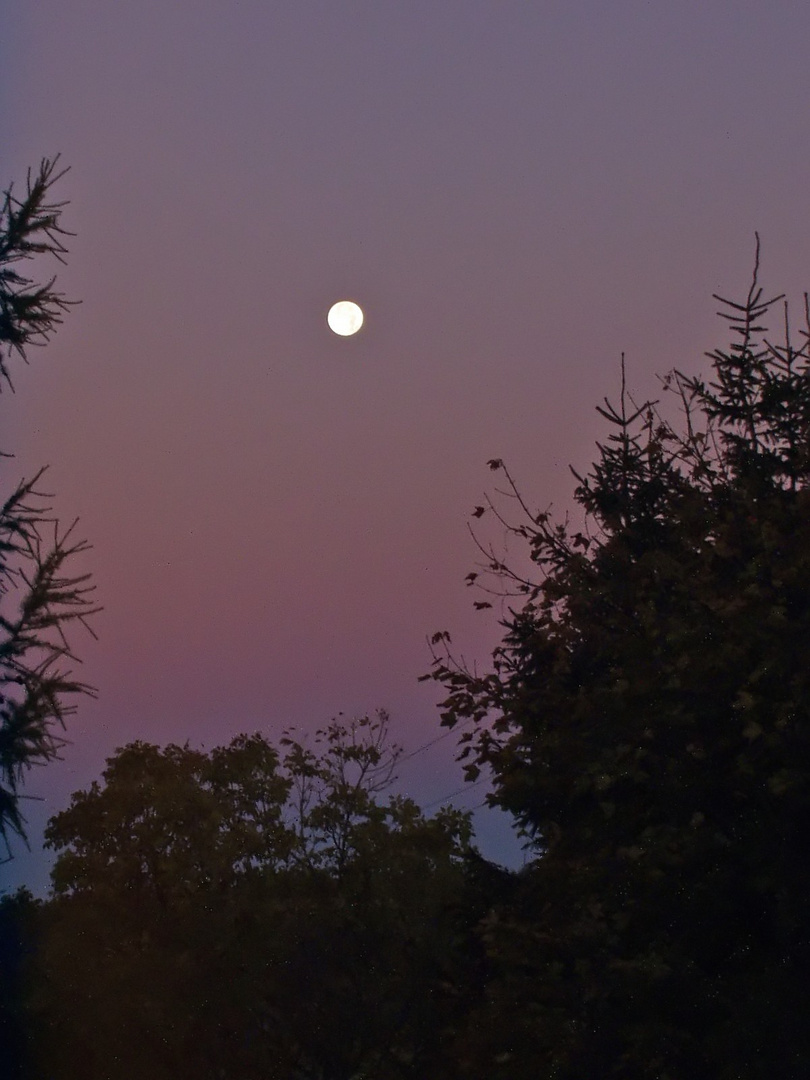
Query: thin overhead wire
x=432 y=742
x=426 y=746
x=459 y=791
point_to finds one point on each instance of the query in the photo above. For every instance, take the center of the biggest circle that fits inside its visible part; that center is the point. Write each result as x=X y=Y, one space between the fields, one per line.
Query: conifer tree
x=647 y=721
x=39 y=596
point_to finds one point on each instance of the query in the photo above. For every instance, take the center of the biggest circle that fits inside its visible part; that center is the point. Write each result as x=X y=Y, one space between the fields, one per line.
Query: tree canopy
x=645 y=719
x=252 y=911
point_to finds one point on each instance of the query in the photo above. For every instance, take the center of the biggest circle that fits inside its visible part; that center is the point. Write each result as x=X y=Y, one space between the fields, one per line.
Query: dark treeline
x=273 y=911
x=252 y=912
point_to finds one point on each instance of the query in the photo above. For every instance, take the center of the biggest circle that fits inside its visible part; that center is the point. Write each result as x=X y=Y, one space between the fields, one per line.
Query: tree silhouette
x=253 y=912
x=647 y=720
x=39 y=596
x=17 y=919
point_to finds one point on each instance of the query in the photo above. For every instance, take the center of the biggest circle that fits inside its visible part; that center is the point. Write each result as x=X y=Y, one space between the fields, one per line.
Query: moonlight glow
x=345 y=318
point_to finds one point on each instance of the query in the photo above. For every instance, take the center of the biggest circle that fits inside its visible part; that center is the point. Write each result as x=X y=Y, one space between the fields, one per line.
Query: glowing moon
x=345 y=317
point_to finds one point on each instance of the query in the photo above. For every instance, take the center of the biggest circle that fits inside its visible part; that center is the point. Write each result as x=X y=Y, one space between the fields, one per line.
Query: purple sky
x=515 y=192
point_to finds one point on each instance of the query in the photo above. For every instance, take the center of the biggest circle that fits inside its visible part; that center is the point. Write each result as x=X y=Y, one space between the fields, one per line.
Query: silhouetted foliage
x=646 y=721
x=38 y=595
x=251 y=912
x=17 y=934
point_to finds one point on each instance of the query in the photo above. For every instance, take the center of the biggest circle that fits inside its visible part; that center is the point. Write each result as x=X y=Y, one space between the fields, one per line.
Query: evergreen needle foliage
x=646 y=719
x=39 y=596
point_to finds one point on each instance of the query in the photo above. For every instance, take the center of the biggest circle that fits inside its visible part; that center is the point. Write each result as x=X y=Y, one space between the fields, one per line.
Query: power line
x=459 y=791
x=438 y=739
x=426 y=746
x=432 y=742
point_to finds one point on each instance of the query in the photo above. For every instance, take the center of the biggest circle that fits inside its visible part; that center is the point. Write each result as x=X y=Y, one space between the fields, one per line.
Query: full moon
x=345 y=317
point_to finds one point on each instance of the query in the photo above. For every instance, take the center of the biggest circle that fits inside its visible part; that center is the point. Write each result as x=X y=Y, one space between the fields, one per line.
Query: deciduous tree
x=253 y=912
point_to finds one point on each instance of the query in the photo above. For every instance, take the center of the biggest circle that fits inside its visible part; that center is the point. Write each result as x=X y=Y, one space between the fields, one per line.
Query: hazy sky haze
x=514 y=192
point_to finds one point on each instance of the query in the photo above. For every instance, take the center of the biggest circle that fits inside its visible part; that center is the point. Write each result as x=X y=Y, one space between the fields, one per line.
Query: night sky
x=515 y=192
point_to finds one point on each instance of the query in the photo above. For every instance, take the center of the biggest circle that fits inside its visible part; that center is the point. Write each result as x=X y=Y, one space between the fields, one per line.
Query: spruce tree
x=646 y=720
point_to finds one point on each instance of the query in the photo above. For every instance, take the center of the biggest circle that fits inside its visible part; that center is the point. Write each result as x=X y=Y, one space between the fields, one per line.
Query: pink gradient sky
x=515 y=192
